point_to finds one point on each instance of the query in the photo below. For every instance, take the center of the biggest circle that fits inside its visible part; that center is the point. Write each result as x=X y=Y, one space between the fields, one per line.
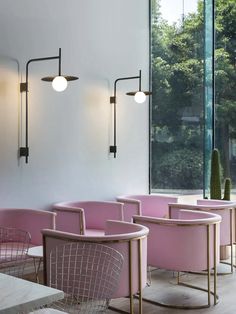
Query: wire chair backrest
x=88 y=273
x=14 y=244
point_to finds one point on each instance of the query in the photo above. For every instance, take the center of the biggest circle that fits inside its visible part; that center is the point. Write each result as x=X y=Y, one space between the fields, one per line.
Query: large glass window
x=225 y=85
x=186 y=98
x=177 y=101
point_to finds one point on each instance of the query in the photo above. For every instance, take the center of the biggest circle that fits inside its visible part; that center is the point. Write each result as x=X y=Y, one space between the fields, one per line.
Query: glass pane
x=177 y=115
x=209 y=92
x=225 y=88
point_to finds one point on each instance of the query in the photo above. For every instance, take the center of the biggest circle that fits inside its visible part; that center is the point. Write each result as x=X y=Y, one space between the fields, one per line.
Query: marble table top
x=18 y=295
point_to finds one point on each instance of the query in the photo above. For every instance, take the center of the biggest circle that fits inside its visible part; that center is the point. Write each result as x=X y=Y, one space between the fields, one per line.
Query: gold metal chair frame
x=232 y=243
x=131 y=297
x=208 y=290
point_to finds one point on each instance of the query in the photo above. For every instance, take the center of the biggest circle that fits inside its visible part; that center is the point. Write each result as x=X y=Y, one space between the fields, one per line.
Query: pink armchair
x=87 y=217
x=225 y=209
x=128 y=239
x=147 y=205
x=187 y=243
x=21 y=229
x=30 y=220
x=227 y=216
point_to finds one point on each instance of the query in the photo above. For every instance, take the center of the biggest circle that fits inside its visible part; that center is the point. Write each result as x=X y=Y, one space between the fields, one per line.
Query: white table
x=36 y=252
x=18 y=295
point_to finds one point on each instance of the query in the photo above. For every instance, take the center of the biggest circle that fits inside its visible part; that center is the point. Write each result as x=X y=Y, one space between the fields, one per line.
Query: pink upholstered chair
x=187 y=243
x=87 y=217
x=24 y=226
x=128 y=239
x=230 y=204
x=226 y=209
x=30 y=220
x=147 y=205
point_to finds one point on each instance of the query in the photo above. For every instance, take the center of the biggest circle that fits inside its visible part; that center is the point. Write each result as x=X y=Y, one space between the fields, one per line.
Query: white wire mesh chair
x=88 y=273
x=14 y=244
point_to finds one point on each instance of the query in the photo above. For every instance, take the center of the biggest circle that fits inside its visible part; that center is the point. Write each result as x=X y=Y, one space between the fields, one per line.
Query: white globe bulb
x=59 y=83
x=140 y=97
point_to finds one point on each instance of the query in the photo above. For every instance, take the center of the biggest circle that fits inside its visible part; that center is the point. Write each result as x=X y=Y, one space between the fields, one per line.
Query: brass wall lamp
x=59 y=84
x=139 y=97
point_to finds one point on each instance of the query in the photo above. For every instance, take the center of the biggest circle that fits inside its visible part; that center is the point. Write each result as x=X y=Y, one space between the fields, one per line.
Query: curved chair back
x=128 y=239
x=80 y=217
x=189 y=243
x=226 y=209
x=88 y=274
x=30 y=220
x=181 y=244
x=221 y=208
x=146 y=205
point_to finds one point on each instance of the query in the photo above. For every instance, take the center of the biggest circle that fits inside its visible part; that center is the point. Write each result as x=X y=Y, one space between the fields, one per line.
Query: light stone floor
x=165 y=289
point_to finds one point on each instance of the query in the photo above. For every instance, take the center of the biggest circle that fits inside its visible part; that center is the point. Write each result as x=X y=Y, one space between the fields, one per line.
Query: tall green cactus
x=215 y=182
x=227 y=189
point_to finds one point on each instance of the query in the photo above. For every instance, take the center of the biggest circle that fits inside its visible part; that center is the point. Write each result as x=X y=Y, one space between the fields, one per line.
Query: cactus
x=227 y=189
x=215 y=182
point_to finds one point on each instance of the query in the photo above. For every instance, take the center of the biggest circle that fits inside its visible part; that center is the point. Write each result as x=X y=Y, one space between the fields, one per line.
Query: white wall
x=70 y=132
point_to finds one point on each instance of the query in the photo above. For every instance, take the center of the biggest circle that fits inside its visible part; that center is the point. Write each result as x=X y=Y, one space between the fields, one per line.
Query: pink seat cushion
x=94 y=232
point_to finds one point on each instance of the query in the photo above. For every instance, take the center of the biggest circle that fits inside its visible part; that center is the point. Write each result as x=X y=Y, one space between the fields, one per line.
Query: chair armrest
x=131 y=207
x=70 y=219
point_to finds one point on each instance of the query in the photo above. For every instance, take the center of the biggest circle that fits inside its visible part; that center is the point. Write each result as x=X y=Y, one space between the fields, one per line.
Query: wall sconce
x=139 y=97
x=59 y=83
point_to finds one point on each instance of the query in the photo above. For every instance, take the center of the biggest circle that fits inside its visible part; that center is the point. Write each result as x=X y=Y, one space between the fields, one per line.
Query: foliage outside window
x=225 y=80
x=178 y=107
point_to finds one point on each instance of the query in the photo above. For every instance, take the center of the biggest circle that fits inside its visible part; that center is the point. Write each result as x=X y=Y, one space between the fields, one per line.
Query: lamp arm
x=24 y=151
x=42 y=59
x=123 y=79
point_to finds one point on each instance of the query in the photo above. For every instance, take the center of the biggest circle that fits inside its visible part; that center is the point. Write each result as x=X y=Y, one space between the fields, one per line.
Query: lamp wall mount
x=113 y=148
x=24 y=87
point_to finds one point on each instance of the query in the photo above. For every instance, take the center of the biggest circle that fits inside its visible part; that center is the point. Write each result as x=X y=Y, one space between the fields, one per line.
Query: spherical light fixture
x=59 y=83
x=140 y=97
